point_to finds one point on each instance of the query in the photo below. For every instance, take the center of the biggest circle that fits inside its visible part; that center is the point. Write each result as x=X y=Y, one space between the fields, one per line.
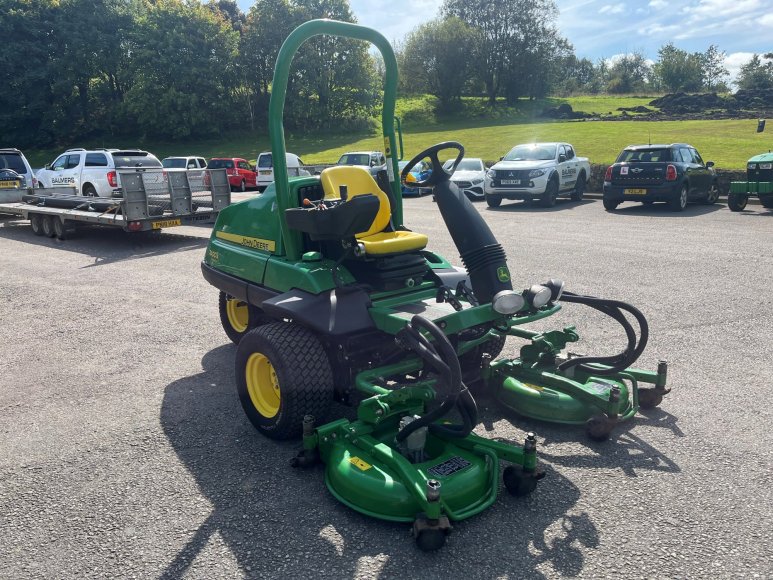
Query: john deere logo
x=503 y=274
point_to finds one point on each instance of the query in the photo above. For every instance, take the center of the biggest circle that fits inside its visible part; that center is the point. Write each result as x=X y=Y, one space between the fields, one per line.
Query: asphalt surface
x=125 y=452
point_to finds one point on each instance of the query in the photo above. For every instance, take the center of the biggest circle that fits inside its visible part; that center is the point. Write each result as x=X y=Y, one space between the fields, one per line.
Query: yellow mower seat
x=376 y=241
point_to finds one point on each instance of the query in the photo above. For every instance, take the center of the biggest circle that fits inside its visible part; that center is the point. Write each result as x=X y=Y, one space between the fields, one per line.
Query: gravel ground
x=125 y=452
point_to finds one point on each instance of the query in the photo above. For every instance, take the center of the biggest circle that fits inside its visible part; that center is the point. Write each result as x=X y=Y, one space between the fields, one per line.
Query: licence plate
x=265 y=173
x=510 y=182
x=11 y=183
x=165 y=224
x=635 y=192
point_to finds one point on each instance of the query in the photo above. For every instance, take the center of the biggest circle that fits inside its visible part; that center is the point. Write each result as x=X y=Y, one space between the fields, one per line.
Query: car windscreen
x=655 y=154
x=468 y=165
x=12 y=161
x=135 y=159
x=354 y=159
x=265 y=161
x=220 y=164
x=531 y=153
x=174 y=163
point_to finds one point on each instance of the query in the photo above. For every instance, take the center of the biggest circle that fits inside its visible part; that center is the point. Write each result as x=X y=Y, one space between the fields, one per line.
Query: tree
x=677 y=70
x=627 y=74
x=715 y=74
x=757 y=73
x=437 y=58
x=513 y=33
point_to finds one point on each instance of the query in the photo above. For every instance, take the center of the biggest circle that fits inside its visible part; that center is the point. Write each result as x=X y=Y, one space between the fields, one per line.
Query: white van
x=265 y=168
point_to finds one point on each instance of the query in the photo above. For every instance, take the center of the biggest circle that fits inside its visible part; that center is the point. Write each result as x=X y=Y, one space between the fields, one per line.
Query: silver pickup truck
x=540 y=171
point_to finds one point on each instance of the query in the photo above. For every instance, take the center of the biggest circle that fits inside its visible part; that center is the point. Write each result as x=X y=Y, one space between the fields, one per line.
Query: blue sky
x=607 y=28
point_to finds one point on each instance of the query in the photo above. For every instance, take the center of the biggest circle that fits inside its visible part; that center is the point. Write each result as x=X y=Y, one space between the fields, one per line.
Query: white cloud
x=658 y=4
x=612 y=9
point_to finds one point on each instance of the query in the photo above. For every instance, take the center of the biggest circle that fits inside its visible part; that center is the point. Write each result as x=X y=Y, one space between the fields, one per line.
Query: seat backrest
x=646 y=157
x=358 y=181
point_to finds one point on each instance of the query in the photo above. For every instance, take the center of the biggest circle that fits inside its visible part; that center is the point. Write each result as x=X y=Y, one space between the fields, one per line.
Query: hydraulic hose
x=613 y=309
x=442 y=358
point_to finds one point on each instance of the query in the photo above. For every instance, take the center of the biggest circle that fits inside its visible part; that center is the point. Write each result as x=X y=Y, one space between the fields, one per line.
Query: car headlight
x=490 y=174
x=536 y=173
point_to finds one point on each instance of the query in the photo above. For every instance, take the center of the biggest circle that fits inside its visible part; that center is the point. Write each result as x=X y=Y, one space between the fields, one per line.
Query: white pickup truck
x=540 y=171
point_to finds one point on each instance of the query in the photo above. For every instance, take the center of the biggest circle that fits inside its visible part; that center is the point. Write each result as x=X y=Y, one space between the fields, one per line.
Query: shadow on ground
x=105 y=244
x=282 y=522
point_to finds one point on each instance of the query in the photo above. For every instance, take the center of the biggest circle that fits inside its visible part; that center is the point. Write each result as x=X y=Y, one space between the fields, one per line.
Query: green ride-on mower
x=759 y=182
x=329 y=297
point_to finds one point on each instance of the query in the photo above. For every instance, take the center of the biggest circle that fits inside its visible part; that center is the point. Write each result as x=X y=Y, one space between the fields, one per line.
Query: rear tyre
x=493 y=201
x=238 y=317
x=712 y=195
x=767 y=202
x=89 y=190
x=737 y=201
x=282 y=375
x=579 y=188
x=551 y=193
x=679 y=203
x=36 y=222
x=47 y=225
x=610 y=204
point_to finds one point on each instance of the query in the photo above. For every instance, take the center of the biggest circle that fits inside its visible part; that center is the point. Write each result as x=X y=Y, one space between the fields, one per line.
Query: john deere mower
x=329 y=297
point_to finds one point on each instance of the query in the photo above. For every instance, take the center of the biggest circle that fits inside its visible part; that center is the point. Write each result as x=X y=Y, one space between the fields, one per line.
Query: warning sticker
x=360 y=464
x=387 y=148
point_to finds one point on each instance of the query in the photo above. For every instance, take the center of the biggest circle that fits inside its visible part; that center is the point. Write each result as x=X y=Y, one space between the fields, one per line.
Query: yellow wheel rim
x=262 y=385
x=238 y=314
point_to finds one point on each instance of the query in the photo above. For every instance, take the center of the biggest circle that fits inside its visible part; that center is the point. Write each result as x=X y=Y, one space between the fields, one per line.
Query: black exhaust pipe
x=481 y=254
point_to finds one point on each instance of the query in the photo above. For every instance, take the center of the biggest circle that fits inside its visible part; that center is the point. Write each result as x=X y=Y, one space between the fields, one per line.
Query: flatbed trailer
x=151 y=200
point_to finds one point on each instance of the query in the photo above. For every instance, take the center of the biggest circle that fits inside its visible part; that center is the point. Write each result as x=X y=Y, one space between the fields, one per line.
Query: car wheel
x=550 y=195
x=712 y=195
x=283 y=374
x=243 y=186
x=579 y=188
x=679 y=202
x=610 y=204
x=493 y=201
x=737 y=201
x=89 y=190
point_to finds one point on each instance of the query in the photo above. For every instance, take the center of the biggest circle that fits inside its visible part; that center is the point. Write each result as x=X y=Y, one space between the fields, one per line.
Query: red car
x=241 y=174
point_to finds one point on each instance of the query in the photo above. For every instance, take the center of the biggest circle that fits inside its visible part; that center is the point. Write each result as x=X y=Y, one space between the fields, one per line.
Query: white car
x=184 y=163
x=373 y=161
x=537 y=171
x=16 y=175
x=265 y=168
x=95 y=172
x=469 y=176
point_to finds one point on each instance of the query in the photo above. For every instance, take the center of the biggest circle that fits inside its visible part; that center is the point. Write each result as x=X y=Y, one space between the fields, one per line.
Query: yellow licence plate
x=9 y=184
x=635 y=192
x=165 y=224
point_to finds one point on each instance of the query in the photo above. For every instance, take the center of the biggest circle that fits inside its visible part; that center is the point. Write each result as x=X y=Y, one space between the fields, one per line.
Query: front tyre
x=551 y=193
x=737 y=201
x=238 y=317
x=282 y=375
x=493 y=200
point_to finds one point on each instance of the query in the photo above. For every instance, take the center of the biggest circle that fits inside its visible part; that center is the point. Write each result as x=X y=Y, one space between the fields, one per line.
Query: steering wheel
x=439 y=173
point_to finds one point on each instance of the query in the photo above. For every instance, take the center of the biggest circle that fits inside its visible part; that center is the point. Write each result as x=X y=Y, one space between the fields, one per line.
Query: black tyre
x=472 y=359
x=430 y=540
x=610 y=204
x=36 y=222
x=679 y=202
x=283 y=374
x=767 y=202
x=60 y=229
x=649 y=398
x=493 y=200
x=579 y=188
x=548 y=198
x=737 y=201
x=238 y=317
x=47 y=225
x=519 y=482
x=599 y=427
x=712 y=195
x=89 y=190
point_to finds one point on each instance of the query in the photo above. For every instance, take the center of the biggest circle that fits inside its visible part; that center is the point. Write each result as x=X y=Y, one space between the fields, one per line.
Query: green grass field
x=490 y=133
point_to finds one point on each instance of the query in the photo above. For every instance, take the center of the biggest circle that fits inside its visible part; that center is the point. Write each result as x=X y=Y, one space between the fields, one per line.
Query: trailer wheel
x=60 y=229
x=282 y=374
x=238 y=317
x=36 y=222
x=47 y=225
